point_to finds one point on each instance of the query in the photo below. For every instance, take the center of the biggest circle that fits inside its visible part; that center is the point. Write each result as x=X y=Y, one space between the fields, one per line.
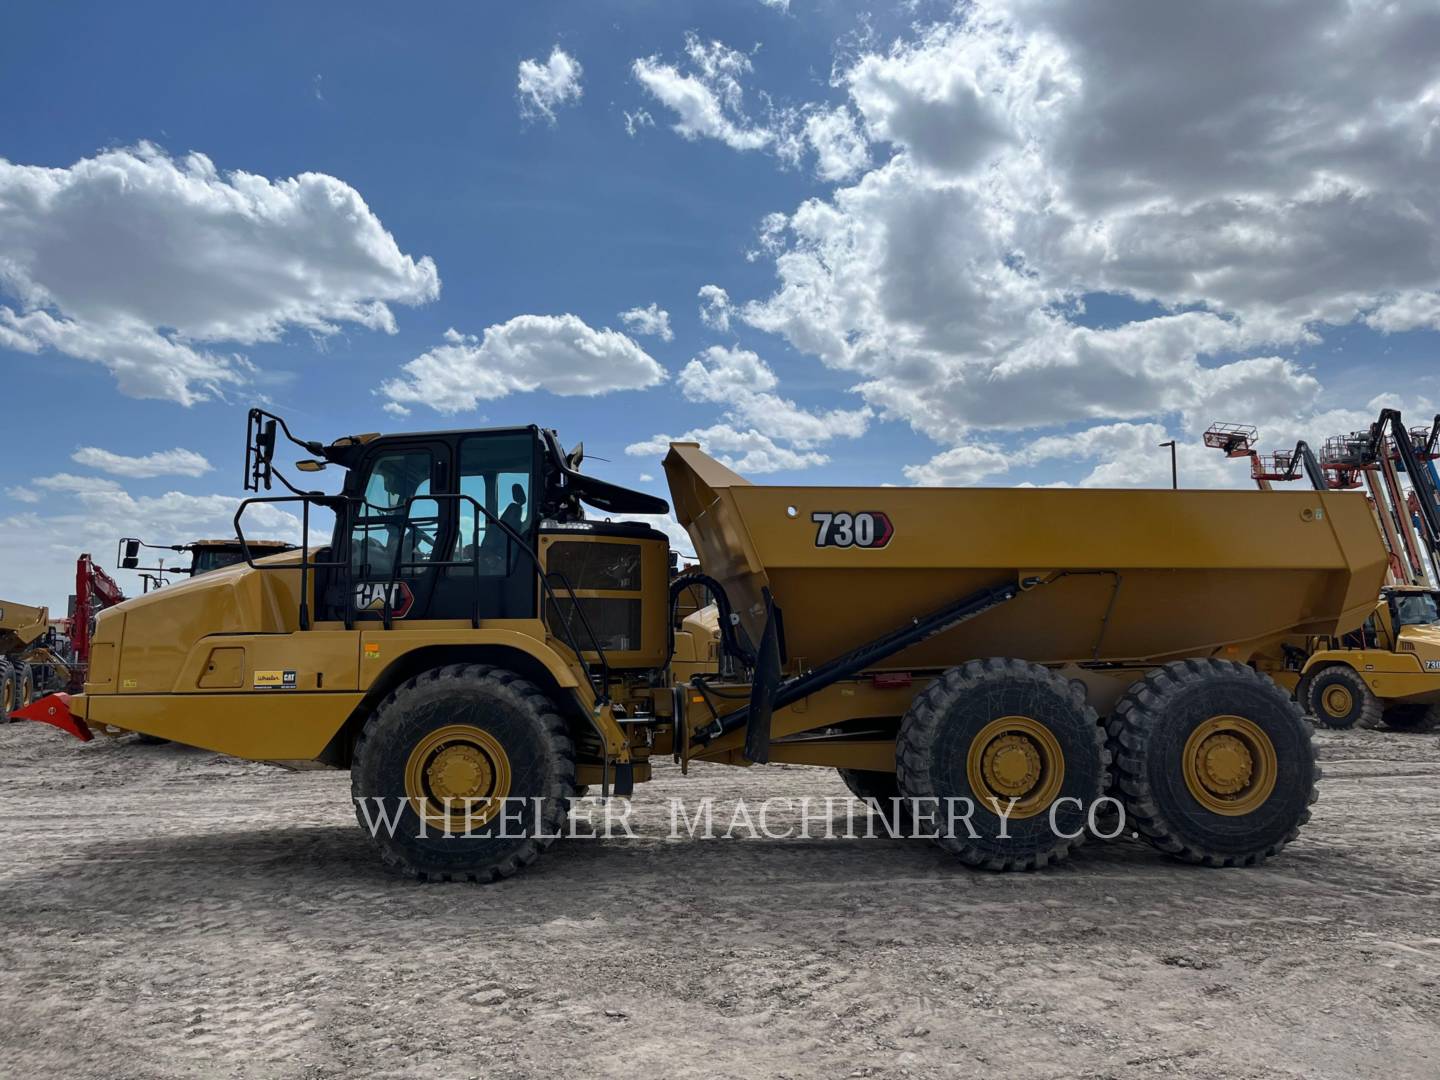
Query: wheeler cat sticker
x=370 y=596
x=842 y=529
x=275 y=680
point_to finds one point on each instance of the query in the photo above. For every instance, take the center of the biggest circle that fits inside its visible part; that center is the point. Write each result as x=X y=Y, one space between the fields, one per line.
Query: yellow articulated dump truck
x=1386 y=670
x=28 y=664
x=473 y=647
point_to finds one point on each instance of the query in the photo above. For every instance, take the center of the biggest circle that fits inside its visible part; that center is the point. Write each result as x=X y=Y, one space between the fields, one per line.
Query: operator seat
x=493 y=545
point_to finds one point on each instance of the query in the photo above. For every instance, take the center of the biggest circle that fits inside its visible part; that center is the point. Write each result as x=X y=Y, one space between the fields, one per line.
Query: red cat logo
x=370 y=596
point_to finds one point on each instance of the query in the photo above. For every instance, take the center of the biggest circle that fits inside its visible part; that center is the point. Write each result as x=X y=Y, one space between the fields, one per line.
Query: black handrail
x=547 y=592
x=347 y=505
x=306 y=566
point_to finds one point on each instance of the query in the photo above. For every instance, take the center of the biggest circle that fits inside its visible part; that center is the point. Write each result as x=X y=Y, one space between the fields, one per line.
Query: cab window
x=495 y=471
x=382 y=530
x=1415 y=609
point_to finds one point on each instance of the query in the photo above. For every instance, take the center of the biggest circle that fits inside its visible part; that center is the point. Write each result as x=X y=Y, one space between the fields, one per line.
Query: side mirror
x=310 y=466
x=265 y=443
x=131 y=557
x=576 y=456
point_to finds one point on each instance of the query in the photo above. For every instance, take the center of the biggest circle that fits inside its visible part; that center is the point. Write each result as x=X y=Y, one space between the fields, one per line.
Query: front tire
x=993 y=731
x=7 y=691
x=1338 y=697
x=1214 y=762
x=472 y=751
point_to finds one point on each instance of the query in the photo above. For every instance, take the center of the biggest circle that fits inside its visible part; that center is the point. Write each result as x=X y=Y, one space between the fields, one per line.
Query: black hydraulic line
x=728 y=638
x=791 y=690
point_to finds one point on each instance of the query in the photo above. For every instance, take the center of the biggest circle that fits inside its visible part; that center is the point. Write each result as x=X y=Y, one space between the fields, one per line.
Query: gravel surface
x=169 y=912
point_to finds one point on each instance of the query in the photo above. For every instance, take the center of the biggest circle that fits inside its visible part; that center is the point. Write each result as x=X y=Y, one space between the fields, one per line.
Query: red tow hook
x=54 y=709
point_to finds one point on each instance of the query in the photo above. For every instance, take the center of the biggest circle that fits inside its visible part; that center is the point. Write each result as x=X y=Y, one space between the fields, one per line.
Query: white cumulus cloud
x=558 y=353
x=1036 y=155
x=761 y=431
x=653 y=321
x=544 y=88
x=143 y=263
x=715 y=307
x=177 y=462
x=707 y=98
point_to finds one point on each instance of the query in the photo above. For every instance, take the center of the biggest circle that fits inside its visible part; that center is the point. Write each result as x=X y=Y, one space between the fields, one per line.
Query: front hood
x=225 y=577
x=160 y=629
x=1423 y=641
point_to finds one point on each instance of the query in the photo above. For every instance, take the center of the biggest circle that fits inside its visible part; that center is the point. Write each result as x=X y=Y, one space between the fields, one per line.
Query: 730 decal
x=842 y=529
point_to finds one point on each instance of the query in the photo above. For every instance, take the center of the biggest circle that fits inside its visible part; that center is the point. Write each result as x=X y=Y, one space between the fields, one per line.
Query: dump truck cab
x=1386 y=671
x=446 y=548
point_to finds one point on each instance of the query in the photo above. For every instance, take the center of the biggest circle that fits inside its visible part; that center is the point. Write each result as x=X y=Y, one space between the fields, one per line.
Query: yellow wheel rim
x=1015 y=757
x=1337 y=701
x=457 y=777
x=1230 y=765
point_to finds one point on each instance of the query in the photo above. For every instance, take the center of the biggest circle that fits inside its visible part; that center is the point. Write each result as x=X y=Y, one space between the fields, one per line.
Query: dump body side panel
x=1137 y=576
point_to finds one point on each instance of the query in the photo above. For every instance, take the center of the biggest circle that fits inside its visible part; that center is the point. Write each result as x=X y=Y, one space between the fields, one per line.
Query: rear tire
x=464 y=732
x=1337 y=697
x=1214 y=762
x=1004 y=729
x=1418 y=719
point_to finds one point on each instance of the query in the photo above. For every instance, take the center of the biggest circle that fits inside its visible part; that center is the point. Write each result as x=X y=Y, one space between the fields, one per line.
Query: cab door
x=393 y=532
x=492 y=547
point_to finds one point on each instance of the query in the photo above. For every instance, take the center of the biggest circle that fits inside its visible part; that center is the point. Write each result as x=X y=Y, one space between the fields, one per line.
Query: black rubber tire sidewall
x=967 y=700
x=1337 y=676
x=524 y=723
x=1199 y=828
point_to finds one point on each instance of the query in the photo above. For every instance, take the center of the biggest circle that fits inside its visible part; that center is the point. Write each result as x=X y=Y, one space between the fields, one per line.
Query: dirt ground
x=169 y=912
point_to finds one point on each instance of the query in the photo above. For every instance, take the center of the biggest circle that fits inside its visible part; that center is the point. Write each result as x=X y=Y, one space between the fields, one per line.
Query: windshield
x=1416 y=609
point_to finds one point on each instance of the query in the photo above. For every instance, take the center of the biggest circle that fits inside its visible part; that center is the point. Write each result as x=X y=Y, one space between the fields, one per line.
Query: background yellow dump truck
x=1386 y=670
x=473 y=647
x=29 y=663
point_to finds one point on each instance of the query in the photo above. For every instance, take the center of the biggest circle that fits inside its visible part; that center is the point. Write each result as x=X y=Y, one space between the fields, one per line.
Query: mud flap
x=762 y=689
x=54 y=709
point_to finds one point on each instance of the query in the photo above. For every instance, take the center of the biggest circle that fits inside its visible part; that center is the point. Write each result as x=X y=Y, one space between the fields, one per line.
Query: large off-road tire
x=1000 y=730
x=464 y=732
x=1337 y=697
x=7 y=691
x=1413 y=718
x=1214 y=762
x=25 y=680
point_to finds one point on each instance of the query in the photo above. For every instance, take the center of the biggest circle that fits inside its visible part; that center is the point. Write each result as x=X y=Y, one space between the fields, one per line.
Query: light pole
x=1174 y=474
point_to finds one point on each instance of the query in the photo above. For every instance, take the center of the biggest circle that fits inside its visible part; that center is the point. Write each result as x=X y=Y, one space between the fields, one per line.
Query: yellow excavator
x=474 y=647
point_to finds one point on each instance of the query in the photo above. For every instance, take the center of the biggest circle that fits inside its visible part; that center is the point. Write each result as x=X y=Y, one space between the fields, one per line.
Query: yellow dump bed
x=1135 y=576
x=21 y=625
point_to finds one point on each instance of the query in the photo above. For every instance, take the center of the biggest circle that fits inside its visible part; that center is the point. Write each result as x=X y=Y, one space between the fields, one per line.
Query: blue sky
x=1016 y=276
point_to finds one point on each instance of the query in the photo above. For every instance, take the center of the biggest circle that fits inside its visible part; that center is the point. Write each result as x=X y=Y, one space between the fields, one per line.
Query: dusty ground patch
x=168 y=912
